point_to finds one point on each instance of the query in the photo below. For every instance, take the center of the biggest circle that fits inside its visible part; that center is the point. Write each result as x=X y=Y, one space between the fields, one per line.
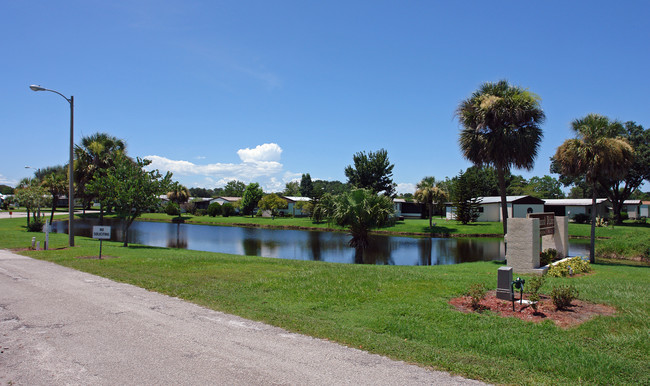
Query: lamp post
x=70 y=166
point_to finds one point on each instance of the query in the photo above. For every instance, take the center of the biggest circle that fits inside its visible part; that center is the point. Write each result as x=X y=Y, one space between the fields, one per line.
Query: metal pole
x=71 y=178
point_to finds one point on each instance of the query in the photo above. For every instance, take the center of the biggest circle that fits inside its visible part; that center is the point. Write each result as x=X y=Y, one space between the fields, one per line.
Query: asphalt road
x=61 y=326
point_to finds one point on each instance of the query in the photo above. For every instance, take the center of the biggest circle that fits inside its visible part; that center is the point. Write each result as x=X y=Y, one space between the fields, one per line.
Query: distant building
x=291 y=205
x=570 y=207
x=408 y=209
x=490 y=207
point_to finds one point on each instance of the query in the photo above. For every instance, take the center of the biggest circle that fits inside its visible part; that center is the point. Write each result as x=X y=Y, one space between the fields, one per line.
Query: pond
x=306 y=245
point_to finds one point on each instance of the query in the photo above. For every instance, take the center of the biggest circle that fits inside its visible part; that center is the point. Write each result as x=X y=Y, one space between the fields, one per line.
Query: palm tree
x=594 y=153
x=501 y=128
x=428 y=193
x=179 y=195
x=96 y=154
x=56 y=182
x=361 y=210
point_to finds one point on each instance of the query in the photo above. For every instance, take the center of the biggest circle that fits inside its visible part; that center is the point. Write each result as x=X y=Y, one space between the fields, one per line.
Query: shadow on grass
x=623 y=263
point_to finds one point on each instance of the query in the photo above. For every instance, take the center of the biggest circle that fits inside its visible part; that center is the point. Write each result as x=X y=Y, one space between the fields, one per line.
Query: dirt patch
x=579 y=311
x=104 y=257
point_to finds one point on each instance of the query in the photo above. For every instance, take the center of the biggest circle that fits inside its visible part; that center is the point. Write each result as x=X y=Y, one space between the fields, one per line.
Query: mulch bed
x=579 y=311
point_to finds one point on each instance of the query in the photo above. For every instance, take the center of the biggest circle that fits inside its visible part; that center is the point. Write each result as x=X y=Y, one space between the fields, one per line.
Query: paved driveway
x=61 y=326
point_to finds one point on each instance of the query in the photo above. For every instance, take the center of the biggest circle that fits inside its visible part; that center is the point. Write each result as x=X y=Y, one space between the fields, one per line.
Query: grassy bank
x=397 y=311
x=410 y=226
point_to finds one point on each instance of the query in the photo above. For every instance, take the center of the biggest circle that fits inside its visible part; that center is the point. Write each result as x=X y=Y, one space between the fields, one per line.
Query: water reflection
x=306 y=245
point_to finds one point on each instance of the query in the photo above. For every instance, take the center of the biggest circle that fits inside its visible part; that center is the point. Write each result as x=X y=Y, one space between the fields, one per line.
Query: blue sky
x=263 y=91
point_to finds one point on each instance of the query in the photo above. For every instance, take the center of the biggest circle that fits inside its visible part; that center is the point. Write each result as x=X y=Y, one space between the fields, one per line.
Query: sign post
x=101 y=233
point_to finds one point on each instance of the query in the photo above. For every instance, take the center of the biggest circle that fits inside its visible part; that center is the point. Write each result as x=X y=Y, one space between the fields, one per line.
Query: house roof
x=295 y=198
x=229 y=199
x=632 y=202
x=572 y=201
x=510 y=199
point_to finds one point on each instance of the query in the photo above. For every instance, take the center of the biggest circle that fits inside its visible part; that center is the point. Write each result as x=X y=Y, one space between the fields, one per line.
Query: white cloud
x=261 y=153
x=260 y=164
x=405 y=187
x=5 y=181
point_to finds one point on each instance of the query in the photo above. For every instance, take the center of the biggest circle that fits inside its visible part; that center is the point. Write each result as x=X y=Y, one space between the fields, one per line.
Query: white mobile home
x=572 y=206
x=490 y=207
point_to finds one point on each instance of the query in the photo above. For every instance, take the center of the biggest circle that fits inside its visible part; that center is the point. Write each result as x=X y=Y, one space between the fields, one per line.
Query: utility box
x=504 y=284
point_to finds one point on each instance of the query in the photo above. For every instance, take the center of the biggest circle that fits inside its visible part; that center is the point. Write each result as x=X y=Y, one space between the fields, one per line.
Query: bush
x=563 y=296
x=574 y=265
x=582 y=218
x=172 y=209
x=477 y=293
x=227 y=209
x=200 y=212
x=535 y=284
x=547 y=255
x=35 y=225
x=214 y=209
x=189 y=207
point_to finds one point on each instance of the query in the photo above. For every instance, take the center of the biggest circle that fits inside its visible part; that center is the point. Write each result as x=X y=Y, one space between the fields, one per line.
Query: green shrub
x=582 y=218
x=477 y=293
x=35 y=225
x=214 y=209
x=563 y=296
x=535 y=283
x=574 y=265
x=189 y=207
x=200 y=212
x=227 y=209
x=547 y=256
x=534 y=301
x=172 y=209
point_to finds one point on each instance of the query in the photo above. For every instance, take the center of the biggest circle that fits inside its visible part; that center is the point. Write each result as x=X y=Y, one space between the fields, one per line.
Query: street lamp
x=70 y=166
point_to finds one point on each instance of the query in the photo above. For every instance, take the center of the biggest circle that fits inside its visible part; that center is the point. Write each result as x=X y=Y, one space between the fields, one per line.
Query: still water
x=306 y=245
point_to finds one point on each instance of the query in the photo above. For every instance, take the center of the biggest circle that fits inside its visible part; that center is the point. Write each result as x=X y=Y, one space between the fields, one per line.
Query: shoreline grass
x=398 y=311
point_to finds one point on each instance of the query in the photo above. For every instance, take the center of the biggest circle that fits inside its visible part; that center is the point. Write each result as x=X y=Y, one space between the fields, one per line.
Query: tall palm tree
x=179 y=194
x=501 y=128
x=361 y=210
x=595 y=153
x=429 y=193
x=96 y=154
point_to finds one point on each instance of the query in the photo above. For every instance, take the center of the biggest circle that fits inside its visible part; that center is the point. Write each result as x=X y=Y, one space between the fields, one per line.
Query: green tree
x=131 y=189
x=359 y=211
x=272 y=202
x=466 y=200
x=372 y=171
x=227 y=209
x=596 y=154
x=430 y=194
x=31 y=195
x=291 y=189
x=94 y=157
x=323 y=208
x=234 y=188
x=201 y=192
x=6 y=189
x=179 y=195
x=501 y=128
x=620 y=187
x=306 y=186
x=252 y=195
x=55 y=180
x=544 y=187
x=214 y=209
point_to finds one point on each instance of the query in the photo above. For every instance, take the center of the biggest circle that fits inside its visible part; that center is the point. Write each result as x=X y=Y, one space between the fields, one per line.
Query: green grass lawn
x=401 y=312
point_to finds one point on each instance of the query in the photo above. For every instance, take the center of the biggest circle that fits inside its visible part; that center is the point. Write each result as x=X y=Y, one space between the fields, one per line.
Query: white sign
x=101 y=232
